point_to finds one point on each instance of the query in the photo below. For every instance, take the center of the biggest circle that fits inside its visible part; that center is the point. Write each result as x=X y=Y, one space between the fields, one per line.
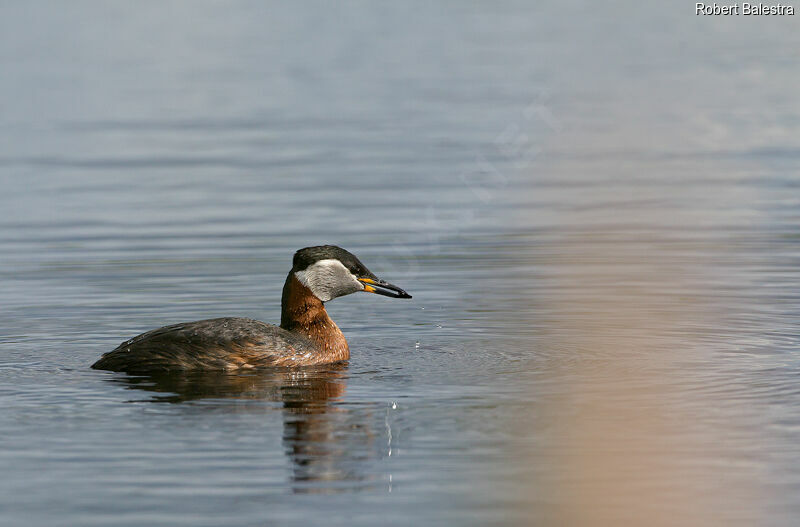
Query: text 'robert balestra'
x=744 y=9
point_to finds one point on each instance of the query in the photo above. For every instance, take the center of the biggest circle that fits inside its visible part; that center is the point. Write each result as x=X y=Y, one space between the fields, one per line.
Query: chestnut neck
x=304 y=314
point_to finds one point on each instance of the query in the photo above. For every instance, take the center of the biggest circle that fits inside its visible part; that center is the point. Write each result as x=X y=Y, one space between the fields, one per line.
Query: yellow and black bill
x=380 y=287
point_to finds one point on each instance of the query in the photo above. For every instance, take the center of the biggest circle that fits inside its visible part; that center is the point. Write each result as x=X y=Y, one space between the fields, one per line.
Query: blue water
x=595 y=209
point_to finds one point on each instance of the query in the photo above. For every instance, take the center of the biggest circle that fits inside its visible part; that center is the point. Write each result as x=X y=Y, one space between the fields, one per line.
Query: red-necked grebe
x=307 y=336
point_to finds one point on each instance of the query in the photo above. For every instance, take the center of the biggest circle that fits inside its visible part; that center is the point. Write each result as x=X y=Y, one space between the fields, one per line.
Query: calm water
x=596 y=211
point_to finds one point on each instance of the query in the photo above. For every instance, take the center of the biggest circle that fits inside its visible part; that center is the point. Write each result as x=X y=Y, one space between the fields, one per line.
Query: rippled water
x=595 y=210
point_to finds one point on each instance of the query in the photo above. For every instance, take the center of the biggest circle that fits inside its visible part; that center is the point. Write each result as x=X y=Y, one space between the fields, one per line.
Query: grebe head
x=329 y=271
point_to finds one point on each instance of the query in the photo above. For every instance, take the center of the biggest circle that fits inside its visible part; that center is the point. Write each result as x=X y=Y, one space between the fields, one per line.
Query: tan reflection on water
x=629 y=436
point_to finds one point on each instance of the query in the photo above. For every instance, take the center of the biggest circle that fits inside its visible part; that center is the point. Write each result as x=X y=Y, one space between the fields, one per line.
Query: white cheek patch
x=329 y=279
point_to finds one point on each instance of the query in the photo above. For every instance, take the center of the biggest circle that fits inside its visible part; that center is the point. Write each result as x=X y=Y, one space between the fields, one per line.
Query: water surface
x=595 y=210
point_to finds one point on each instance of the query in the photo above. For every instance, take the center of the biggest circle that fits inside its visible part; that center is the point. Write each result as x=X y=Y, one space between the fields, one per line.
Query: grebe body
x=306 y=337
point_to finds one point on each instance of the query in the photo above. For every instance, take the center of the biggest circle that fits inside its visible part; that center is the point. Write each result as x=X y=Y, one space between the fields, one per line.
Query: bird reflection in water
x=326 y=444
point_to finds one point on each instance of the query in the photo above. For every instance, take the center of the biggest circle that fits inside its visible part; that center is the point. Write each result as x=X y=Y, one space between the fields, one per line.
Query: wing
x=214 y=344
